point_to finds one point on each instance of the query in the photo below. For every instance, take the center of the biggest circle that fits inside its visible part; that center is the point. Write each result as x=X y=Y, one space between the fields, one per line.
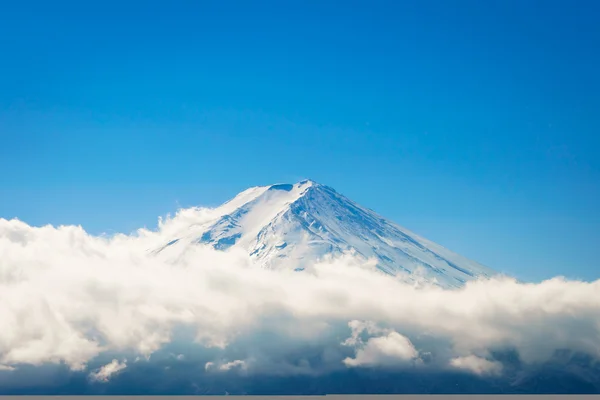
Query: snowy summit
x=294 y=225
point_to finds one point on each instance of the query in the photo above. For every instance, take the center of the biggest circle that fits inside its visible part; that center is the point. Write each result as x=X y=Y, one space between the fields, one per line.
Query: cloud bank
x=71 y=299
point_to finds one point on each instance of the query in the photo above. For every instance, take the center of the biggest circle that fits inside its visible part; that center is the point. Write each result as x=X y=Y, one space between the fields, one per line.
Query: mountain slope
x=292 y=226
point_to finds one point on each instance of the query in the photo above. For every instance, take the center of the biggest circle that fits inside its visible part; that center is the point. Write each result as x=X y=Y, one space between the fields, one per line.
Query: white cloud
x=66 y=296
x=477 y=365
x=389 y=349
x=233 y=364
x=225 y=366
x=104 y=373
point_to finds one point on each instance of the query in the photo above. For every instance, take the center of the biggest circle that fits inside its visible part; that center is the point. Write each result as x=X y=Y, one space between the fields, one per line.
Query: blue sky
x=475 y=124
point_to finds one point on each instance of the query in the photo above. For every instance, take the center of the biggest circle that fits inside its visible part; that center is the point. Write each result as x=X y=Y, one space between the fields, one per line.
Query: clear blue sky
x=474 y=123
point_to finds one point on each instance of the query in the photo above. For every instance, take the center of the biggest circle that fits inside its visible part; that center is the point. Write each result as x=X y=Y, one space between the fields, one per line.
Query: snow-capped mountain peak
x=294 y=225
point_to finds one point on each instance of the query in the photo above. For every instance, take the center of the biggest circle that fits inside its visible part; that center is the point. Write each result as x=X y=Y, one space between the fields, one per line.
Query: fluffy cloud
x=233 y=364
x=67 y=297
x=105 y=372
x=389 y=350
x=477 y=365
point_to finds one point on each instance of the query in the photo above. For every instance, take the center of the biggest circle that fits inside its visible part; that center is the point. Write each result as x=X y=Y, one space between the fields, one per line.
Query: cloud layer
x=67 y=297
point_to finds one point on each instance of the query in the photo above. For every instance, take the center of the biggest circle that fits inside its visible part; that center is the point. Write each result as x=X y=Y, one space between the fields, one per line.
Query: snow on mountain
x=292 y=226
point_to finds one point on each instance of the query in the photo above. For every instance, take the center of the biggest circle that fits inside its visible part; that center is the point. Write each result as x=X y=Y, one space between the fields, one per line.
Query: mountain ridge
x=291 y=226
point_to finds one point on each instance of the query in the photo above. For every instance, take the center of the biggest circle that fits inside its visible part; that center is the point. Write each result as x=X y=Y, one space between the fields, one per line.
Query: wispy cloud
x=105 y=372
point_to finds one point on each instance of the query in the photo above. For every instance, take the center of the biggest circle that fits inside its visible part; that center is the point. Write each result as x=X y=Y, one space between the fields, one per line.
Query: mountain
x=294 y=225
